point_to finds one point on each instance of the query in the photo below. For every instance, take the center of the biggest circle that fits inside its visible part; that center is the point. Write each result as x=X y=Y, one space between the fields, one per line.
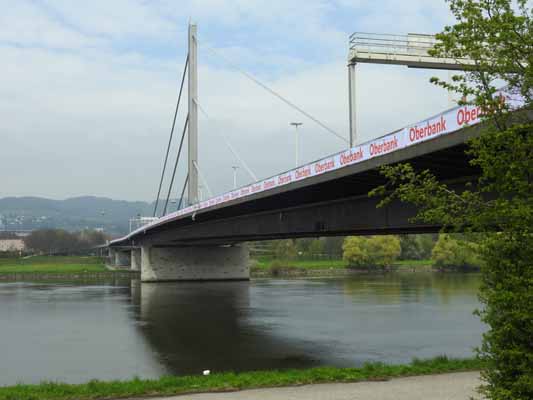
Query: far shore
x=88 y=267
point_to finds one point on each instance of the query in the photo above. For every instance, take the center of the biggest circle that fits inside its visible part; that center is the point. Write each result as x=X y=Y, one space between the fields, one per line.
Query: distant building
x=11 y=245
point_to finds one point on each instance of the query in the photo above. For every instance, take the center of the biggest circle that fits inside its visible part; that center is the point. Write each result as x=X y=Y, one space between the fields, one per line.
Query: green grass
x=173 y=385
x=265 y=262
x=418 y=265
x=51 y=264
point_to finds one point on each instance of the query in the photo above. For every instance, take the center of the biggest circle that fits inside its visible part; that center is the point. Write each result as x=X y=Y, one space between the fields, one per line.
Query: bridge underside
x=334 y=206
x=203 y=245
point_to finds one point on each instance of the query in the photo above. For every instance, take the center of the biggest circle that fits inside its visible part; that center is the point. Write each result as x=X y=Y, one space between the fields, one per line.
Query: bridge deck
x=326 y=197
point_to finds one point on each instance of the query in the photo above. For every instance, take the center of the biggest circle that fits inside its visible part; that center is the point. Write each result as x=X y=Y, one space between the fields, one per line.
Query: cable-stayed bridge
x=202 y=240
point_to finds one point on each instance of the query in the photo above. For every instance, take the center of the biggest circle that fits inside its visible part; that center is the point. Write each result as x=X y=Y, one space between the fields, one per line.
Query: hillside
x=74 y=214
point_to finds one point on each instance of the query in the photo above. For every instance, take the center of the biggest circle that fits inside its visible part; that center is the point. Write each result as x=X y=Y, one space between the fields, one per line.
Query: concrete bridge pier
x=136 y=259
x=120 y=258
x=195 y=263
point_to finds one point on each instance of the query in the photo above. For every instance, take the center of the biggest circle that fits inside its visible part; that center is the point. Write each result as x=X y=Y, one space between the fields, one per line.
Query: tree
x=497 y=35
x=453 y=253
x=333 y=246
x=355 y=252
x=302 y=246
x=285 y=250
x=316 y=248
x=60 y=241
x=416 y=247
x=374 y=251
x=92 y=238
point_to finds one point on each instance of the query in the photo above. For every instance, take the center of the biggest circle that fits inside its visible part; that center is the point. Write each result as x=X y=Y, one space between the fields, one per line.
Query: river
x=75 y=332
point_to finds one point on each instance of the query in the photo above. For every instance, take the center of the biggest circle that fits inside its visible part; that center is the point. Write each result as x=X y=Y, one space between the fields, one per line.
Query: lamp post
x=296 y=125
x=235 y=168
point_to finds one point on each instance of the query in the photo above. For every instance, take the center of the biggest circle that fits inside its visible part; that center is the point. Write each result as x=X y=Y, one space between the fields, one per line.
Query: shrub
x=453 y=253
x=371 y=252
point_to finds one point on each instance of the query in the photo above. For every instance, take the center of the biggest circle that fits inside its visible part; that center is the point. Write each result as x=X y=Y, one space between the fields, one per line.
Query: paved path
x=457 y=386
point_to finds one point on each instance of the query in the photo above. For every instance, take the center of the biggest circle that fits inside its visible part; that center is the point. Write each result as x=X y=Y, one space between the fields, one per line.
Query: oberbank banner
x=442 y=124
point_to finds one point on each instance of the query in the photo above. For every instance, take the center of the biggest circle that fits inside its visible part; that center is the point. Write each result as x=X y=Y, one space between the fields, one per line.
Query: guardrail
x=411 y=44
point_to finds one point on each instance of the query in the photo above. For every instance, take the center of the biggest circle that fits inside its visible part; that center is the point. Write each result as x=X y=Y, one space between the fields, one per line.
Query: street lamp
x=296 y=125
x=235 y=168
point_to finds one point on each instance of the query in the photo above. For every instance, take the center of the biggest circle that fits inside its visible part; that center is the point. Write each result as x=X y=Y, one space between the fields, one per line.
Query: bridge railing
x=139 y=222
x=411 y=50
x=441 y=124
x=411 y=44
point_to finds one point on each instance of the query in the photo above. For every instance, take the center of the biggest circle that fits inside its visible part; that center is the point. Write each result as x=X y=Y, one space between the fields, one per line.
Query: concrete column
x=111 y=257
x=136 y=259
x=122 y=258
x=194 y=263
x=193 y=116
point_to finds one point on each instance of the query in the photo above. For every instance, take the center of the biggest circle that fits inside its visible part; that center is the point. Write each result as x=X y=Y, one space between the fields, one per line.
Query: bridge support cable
x=230 y=147
x=176 y=164
x=183 y=192
x=171 y=135
x=202 y=177
x=274 y=93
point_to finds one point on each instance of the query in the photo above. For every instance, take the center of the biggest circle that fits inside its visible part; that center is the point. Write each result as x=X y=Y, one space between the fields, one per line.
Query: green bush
x=285 y=249
x=417 y=246
x=276 y=267
x=453 y=253
x=371 y=252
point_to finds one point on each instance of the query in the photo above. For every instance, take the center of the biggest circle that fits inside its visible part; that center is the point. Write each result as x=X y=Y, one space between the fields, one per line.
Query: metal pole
x=193 y=115
x=297 y=145
x=450 y=94
x=297 y=158
x=235 y=176
x=352 y=103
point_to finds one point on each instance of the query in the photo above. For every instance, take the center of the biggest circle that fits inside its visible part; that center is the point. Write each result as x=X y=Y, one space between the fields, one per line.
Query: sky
x=88 y=88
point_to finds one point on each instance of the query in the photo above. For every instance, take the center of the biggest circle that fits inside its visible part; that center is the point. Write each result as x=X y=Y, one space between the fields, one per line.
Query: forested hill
x=88 y=212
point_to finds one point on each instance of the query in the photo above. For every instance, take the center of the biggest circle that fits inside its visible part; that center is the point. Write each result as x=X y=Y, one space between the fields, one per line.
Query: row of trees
x=446 y=251
x=309 y=249
x=51 y=241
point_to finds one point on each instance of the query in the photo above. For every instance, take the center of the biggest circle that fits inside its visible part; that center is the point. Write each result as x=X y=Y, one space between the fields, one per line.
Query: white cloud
x=95 y=120
x=27 y=25
x=115 y=19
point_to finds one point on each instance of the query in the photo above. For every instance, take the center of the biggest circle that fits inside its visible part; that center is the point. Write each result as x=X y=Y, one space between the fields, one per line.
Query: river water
x=75 y=332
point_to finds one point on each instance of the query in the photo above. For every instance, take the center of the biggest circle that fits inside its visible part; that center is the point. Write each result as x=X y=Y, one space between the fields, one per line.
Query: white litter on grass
x=206 y=372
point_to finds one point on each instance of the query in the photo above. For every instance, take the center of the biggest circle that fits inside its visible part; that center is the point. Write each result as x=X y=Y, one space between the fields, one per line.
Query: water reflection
x=303 y=323
x=74 y=331
x=402 y=287
x=197 y=326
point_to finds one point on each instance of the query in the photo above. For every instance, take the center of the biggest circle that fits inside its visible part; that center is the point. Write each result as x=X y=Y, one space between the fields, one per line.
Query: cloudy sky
x=88 y=88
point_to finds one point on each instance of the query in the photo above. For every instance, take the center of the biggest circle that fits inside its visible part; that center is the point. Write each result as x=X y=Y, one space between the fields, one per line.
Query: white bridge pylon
x=411 y=50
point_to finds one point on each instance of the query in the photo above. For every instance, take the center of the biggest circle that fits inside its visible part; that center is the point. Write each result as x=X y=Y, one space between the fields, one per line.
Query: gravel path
x=457 y=386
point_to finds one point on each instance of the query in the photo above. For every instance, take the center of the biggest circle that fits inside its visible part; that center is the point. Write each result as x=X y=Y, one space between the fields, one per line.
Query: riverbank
x=51 y=264
x=75 y=267
x=224 y=382
x=52 y=268
x=450 y=386
x=265 y=267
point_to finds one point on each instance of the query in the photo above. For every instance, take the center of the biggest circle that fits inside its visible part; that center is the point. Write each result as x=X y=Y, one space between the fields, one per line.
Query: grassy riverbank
x=403 y=265
x=264 y=262
x=172 y=385
x=51 y=264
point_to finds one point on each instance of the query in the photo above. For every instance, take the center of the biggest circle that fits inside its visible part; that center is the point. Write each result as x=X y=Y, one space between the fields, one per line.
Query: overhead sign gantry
x=411 y=50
